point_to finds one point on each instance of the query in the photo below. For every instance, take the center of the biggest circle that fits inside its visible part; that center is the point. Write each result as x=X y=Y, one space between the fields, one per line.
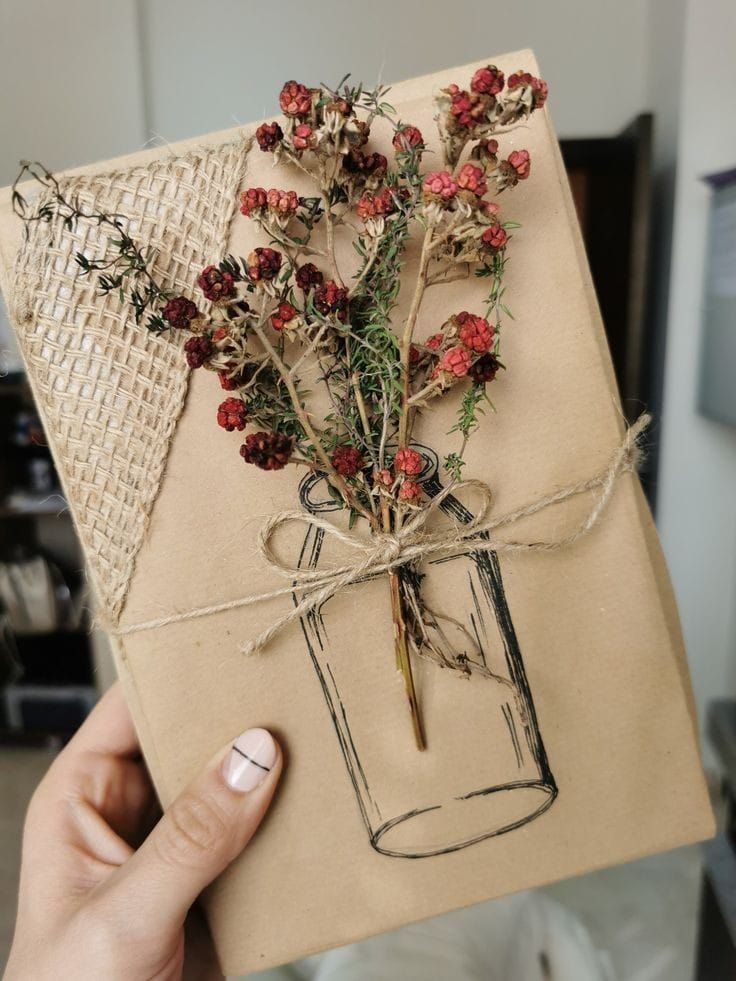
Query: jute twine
x=412 y=543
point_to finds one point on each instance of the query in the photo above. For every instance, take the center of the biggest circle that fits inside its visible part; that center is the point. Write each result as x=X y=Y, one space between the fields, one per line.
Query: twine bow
x=412 y=542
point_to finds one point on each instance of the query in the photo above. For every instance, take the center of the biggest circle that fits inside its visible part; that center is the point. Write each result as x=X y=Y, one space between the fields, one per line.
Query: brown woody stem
x=403 y=658
x=408 y=334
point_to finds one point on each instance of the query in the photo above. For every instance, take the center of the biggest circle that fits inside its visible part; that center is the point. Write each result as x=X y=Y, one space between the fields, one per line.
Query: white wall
x=697 y=486
x=70 y=92
x=211 y=64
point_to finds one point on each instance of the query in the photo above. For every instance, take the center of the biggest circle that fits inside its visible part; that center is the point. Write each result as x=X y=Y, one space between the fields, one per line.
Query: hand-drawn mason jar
x=485 y=771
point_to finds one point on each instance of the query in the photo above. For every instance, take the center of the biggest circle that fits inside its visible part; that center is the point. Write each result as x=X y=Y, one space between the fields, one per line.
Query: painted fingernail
x=250 y=760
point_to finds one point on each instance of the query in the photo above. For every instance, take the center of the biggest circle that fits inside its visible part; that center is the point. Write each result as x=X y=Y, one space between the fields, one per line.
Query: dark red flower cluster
x=373 y=205
x=467 y=109
x=302 y=136
x=231 y=380
x=232 y=414
x=198 y=350
x=179 y=312
x=487 y=81
x=366 y=165
x=517 y=166
x=282 y=202
x=472 y=179
x=263 y=264
x=540 y=89
x=295 y=99
x=347 y=460
x=484 y=369
x=256 y=199
x=268 y=136
x=410 y=492
x=216 y=284
x=268 y=451
x=408 y=462
x=439 y=186
x=283 y=315
x=494 y=238
x=253 y=199
x=331 y=300
x=308 y=276
x=476 y=336
x=407 y=138
x=475 y=332
x=485 y=151
x=455 y=361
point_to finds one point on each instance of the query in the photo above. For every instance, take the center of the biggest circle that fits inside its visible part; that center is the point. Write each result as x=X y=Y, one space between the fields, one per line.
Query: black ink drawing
x=516 y=784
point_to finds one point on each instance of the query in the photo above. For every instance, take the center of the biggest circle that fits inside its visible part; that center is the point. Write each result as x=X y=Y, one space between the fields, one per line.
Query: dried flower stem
x=335 y=479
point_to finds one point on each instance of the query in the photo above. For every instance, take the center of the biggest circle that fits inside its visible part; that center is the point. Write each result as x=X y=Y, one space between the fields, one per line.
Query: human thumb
x=201 y=833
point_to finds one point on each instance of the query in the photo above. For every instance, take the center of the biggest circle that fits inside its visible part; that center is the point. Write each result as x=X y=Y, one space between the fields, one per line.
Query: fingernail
x=250 y=760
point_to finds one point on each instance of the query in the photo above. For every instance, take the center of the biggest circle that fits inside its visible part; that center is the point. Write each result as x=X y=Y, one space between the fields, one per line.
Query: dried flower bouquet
x=287 y=313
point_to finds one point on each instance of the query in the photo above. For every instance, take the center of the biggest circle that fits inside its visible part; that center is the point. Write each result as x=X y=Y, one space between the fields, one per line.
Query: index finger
x=107 y=730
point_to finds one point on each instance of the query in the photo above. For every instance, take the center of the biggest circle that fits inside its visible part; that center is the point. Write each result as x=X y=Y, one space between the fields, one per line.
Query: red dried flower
x=466 y=108
x=180 y=312
x=198 y=350
x=410 y=491
x=371 y=205
x=407 y=138
x=488 y=80
x=268 y=136
x=540 y=89
x=473 y=179
x=295 y=99
x=489 y=208
x=347 y=460
x=373 y=165
x=475 y=332
x=232 y=414
x=216 y=284
x=439 y=186
x=263 y=264
x=435 y=340
x=308 y=276
x=409 y=462
x=331 y=299
x=282 y=202
x=414 y=354
x=269 y=451
x=520 y=162
x=455 y=361
x=231 y=380
x=494 y=238
x=383 y=477
x=484 y=369
x=283 y=314
x=254 y=199
x=485 y=151
x=302 y=136
x=517 y=79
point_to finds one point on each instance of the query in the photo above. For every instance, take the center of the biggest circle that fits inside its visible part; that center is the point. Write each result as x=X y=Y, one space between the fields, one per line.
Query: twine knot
x=413 y=542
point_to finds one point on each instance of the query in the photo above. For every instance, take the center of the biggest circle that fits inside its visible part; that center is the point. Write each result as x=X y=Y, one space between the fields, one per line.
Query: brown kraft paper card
x=582 y=754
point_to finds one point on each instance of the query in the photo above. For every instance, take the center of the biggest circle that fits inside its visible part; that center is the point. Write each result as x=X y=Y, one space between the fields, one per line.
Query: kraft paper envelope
x=581 y=754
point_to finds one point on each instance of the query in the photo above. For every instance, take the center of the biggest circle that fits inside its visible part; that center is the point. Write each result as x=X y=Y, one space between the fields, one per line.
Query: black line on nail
x=251 y=760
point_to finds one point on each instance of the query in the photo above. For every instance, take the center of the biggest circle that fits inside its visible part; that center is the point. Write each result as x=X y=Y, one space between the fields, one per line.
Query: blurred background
x=642 y=95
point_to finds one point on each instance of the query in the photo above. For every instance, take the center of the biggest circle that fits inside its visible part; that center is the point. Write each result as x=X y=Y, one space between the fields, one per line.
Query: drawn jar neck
x=314 y=490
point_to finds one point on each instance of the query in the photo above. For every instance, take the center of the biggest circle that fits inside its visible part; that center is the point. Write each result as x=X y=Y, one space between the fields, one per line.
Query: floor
x=642 y=914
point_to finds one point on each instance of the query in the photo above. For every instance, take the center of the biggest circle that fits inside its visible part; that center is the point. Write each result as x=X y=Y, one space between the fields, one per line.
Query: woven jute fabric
x=110 y=391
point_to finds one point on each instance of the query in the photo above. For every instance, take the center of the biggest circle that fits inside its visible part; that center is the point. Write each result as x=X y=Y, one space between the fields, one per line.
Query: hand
x=100 y=896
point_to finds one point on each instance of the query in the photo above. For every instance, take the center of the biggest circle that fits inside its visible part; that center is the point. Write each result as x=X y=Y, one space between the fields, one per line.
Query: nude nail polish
x=250 y=760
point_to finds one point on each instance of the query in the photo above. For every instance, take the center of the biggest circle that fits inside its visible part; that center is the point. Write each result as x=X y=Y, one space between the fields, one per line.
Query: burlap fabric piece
x=111 y=391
